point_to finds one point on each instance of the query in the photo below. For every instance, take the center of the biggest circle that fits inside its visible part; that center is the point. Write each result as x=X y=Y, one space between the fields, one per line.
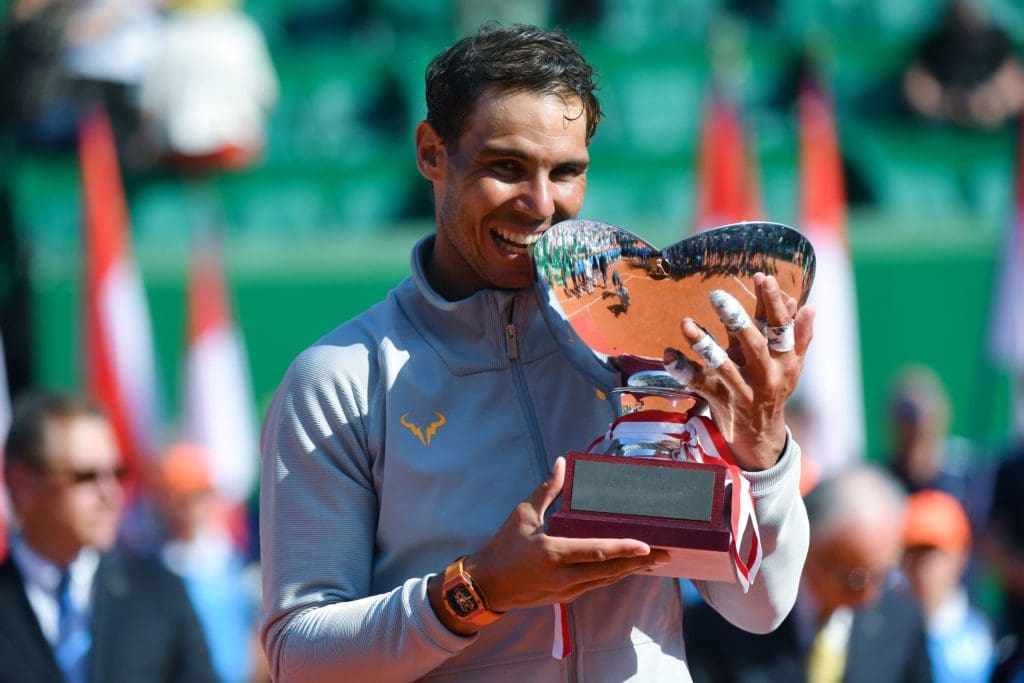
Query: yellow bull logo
x=418 y=433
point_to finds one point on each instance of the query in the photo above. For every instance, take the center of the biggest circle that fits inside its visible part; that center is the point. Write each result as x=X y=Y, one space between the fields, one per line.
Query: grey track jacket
x=402 y=440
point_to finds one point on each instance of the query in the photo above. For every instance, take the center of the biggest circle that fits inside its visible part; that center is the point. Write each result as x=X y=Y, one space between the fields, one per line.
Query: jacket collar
x=470 y=335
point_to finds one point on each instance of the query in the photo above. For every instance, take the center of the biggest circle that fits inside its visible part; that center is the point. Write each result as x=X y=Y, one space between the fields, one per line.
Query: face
x=933 y=573
x=847 y=566
x=76 y=501
x=518 y=168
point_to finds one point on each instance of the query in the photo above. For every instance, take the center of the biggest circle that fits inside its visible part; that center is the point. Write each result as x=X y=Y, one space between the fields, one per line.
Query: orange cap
x=937 y=520
x=183 y=470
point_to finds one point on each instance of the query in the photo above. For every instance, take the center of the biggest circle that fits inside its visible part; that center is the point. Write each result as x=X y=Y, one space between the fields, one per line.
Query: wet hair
x=510 y=59
x=26 y=439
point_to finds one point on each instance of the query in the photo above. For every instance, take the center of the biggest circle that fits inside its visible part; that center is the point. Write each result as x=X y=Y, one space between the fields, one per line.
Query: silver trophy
x=624 y=298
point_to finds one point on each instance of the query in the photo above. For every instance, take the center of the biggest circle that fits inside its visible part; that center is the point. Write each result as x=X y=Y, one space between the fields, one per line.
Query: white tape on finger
x=730 y=311
x=711 y=353
x=781 y=337
x=682 y=370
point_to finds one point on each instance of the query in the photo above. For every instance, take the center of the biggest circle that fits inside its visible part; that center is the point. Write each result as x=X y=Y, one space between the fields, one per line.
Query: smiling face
x=518 y=168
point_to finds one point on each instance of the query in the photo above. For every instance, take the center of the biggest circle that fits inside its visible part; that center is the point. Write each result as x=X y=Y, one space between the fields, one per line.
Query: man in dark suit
x=847 y=626
x=71 y=609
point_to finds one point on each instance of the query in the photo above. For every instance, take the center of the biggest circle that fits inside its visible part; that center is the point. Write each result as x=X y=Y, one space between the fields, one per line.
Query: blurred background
x=318 y=225
x=251 y=170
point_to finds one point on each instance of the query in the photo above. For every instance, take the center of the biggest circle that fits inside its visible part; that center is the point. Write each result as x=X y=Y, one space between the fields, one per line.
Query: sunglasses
x=92 y=475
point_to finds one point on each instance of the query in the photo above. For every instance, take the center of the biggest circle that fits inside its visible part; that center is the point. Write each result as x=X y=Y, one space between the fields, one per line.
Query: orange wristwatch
x=463 y=598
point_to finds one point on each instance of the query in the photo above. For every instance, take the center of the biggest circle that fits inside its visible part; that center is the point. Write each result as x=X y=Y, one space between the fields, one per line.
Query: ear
x=431 y=156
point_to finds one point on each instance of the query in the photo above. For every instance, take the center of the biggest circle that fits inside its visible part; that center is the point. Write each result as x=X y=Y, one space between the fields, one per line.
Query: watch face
x=462 y=601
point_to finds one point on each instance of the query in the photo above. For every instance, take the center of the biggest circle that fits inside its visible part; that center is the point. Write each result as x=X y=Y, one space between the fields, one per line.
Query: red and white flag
x=831 y=387
x=5 y=423
x=219 y=411
x=120 y=368
x=728 y=189
x=1006 y=322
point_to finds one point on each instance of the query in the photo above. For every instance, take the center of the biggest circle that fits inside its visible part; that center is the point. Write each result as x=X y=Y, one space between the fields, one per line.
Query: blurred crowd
x=186 y=83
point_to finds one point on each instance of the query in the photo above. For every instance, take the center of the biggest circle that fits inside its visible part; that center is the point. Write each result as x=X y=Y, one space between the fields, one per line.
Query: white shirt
x=42 y=578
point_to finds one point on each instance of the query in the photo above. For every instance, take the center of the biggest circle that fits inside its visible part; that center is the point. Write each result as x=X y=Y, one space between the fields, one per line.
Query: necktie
x=73 y=639
x=827 y=659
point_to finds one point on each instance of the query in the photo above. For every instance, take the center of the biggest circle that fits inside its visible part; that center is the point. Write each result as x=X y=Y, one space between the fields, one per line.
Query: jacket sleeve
x=318 y=512
x=782 y=520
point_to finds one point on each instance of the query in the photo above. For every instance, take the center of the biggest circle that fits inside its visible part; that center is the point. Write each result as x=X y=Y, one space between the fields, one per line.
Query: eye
x=506 y=167
x=568 y=172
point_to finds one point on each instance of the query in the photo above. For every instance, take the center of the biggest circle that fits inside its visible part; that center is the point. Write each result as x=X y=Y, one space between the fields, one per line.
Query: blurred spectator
x=965 y=72
x=847 y=624
x=200 y=550
x=923 y=454
x=937 y=537
x=1004 y=545
x=35 y=97
x=70 y=607
x=110 y=46
x=211 y=86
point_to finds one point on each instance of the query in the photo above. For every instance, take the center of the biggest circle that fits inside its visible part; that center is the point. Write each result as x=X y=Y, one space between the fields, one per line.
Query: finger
x=613 y=572
x=779 y=328
x=579 y=551
x=710 y=353
x=804 y=321
x=751 y=343
x=546 y=493
x=682 y=369
x=791 y=307
x=759 y=308
x=774 y=302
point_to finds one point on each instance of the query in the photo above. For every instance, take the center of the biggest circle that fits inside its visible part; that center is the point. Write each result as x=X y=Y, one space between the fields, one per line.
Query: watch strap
x=463 y=598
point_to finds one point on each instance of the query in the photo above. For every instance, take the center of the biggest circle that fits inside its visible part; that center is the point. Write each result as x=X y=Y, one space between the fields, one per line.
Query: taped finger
x=710 y=352
x=781 y=337
x=680 y=367
x=730 y=311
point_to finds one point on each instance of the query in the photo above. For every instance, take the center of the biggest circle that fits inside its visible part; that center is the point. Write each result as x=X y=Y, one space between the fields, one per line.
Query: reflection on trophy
x=662 y=474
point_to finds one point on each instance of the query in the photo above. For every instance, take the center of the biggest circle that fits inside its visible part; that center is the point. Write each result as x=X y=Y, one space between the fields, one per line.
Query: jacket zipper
x=522 y=389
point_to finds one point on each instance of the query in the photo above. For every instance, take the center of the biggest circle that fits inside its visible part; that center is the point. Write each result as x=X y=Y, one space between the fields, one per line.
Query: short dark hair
x=26 y=439
x=512 y=58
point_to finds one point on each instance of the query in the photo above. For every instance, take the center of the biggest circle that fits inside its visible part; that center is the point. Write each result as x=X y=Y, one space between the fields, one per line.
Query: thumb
x=547 y=492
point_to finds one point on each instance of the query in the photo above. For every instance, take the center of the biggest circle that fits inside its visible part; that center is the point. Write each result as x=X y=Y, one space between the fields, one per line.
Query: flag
x=219 y=411
x=5 y=423
x=727 y=183
x=1006 y=320
x=831 y=387
x=120 y=368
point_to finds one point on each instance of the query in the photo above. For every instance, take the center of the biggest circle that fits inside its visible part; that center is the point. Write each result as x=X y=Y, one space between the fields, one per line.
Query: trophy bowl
x=662 y=474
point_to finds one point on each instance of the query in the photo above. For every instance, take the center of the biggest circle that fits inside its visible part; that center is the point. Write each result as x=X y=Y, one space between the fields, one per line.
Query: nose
x=537 y=198
x=109 y=487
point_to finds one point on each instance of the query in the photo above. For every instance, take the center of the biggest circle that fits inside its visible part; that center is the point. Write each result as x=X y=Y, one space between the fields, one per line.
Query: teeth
x=518 y=239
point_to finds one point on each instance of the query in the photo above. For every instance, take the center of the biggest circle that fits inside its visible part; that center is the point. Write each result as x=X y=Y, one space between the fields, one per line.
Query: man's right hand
x=521 y=566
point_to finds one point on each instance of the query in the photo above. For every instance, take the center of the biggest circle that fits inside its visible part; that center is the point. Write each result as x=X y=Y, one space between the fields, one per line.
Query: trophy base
x=671 y=505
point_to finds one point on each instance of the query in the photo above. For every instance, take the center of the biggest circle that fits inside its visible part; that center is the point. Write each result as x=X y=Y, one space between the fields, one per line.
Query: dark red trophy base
x=677 y=506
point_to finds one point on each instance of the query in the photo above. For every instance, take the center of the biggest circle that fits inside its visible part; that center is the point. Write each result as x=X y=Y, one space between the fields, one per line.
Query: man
x=410 y=455
x=1003 y=542
x=847 y=625
x=70 y=608
x=937 y=537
